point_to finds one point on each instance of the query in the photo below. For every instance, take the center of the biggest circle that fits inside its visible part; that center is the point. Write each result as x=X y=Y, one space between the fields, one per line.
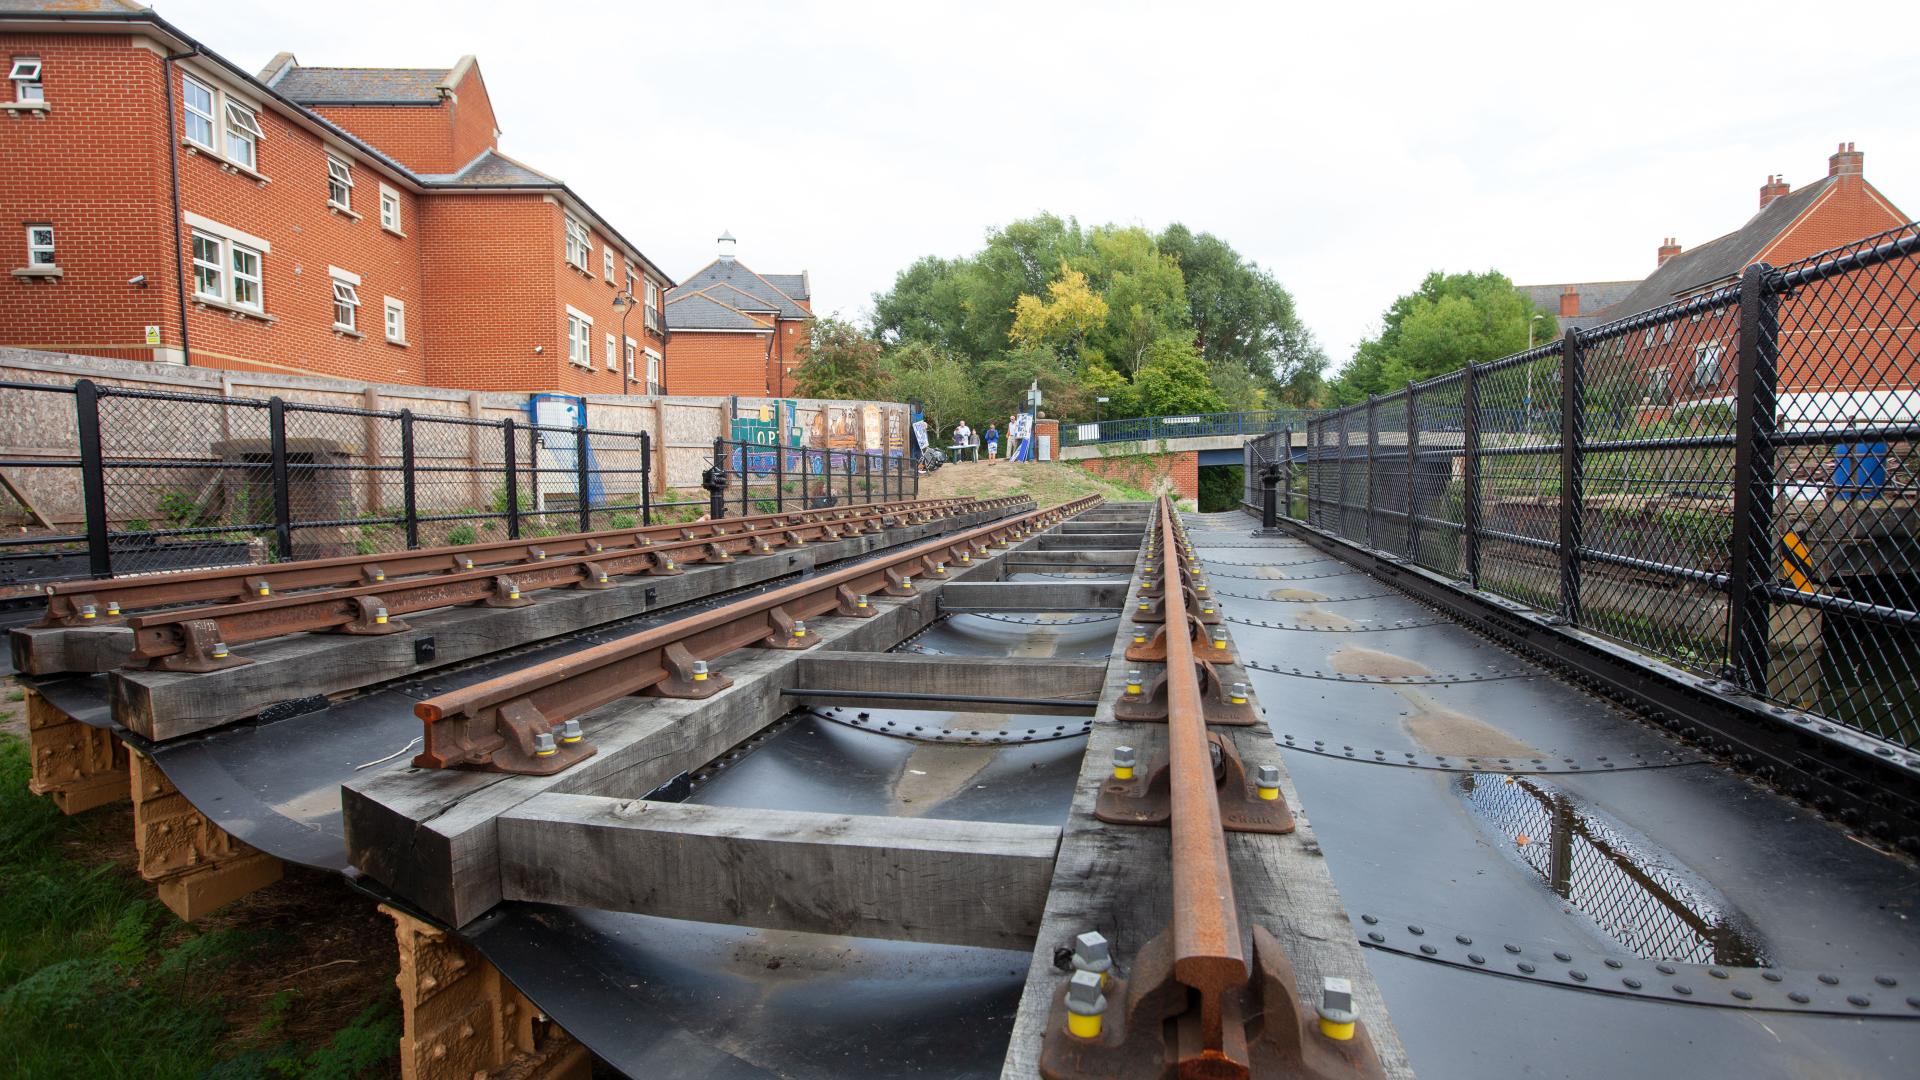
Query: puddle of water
x=1443 y=731
x=1295 y=594
x=1630 y=888
x=1354 y=660
x=1314 y=616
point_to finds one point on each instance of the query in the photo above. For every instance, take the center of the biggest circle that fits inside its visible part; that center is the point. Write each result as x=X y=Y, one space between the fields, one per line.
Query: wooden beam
x=908 y=879
x=1074 y=683
x=1105 y=541
x=1033 y=596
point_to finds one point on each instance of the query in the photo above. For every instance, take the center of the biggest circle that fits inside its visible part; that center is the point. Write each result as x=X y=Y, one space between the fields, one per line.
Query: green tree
x=1061 y=321
x=1172 y=381
x=838 y=360
x=942 y=384
x=1242 y=316
x=1451 y=321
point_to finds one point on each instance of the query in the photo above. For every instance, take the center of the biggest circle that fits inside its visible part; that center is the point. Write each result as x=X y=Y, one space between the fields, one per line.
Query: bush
x=462 y=534
x=622 y=521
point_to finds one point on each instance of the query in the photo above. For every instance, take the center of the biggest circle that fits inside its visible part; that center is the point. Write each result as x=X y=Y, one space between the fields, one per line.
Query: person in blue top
x=993 y=441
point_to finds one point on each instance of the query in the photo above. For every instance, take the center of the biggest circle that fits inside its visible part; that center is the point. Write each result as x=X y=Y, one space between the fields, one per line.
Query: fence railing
x=1196 y=425
x=1730 y=482
x=169 y=480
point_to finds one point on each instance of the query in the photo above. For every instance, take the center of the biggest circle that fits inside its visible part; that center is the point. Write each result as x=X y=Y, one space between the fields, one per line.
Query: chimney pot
x=1668 y=250
x=1775 y=187
x=1846 y=161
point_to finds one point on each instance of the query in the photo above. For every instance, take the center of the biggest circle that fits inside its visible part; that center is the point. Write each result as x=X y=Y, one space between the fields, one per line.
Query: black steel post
x=1573 y=395
x=282 y=495
x=746 y=473
x=716 y=482
x=93 y=477
x=1470 y=475
x=1756 y=389
x=510 y=460
x=1413 y=474
x=1286 y=455
x=408 y=495
x=1373 y=468
x=646 y=478
x=1269 y=495
x=582 y=482
x=779 y=473
x=850 y=457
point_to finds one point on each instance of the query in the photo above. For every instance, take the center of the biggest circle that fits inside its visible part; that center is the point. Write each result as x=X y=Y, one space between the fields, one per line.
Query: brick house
x=357 y=223
x=1857 y=374
x=735 y=331
x=1577 y=304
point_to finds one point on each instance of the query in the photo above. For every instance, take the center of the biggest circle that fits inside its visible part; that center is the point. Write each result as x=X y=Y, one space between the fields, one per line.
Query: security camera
x=138 y=281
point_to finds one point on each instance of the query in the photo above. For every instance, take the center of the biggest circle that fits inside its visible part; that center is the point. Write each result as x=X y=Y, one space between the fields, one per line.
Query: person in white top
x=962 y=436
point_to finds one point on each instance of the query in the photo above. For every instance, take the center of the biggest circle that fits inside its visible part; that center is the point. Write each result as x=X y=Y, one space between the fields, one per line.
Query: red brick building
x=358 y=223
x=735 y=331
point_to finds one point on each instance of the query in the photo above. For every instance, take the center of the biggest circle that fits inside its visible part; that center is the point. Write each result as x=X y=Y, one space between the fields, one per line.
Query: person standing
x=993 y=442
x=963 y=438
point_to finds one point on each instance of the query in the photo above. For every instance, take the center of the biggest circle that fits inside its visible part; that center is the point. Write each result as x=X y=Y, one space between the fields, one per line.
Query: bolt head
x=1336 y=1000
x=1090 y=951
x=699 y=667
x=1124 y=756
x=571 y=730
x=1267 y=776
x=1083 y=993
x=543 y=743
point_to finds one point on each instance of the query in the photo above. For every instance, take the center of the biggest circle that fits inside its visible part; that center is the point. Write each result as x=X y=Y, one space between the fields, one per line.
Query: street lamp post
x=1529 y=405
x=623 y=303
x=1099 y=409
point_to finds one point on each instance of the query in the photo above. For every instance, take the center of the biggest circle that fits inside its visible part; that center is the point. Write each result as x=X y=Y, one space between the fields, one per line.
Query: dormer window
x=243 y=136
x=26 y=81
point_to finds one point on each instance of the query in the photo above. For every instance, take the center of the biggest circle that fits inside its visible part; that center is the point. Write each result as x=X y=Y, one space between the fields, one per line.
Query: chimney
x=1569 y=301
x=1775 y=187
x=1846 y=161
x=1668 y=250
x=726 y=243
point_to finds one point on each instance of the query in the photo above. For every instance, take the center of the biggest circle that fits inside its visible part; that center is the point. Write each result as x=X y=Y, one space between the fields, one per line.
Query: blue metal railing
x=1195 y=425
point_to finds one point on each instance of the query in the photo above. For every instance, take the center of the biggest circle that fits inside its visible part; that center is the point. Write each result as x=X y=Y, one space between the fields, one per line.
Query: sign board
x=1089 y=433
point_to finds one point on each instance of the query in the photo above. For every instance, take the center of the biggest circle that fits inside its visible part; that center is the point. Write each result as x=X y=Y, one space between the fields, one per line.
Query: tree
x=1146 y=297
x=1451 y=321
x=1061 y=321
x=838 y=361
x=1241 y=315
x=942 y=384
x=1172 y=381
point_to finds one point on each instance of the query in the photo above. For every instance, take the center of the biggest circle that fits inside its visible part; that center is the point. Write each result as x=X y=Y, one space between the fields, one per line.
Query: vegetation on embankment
x=1050 y=483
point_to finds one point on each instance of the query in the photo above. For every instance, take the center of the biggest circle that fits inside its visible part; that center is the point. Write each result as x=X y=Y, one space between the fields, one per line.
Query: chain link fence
x=1730 y=482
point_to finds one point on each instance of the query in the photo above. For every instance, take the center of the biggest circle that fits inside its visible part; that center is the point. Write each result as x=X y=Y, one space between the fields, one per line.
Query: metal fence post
x=510 y=460
x=646 y=478
x=408 y=495
x=582 y=484
x=779 y=475
x=717 y=494
x=1749 y=565
x=1470 y=475
x=1413 y=474
x=93 y=477
x=746 y=476
x=282 y=497
x=1573 y=395
x=1286 y=476
x=1340 y=522
x=1373 y=468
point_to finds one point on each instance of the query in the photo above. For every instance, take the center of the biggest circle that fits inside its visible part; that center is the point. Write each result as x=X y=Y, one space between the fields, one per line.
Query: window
x=579 y=244
x=243 y=136
x=339 y=183
x=653 y=306
x=389 y=208
x=653 y=370
x=198 y=98
x=1646 y=339
x=1706 y=364
x=1657 y=390
x=606 y=261
x=613 y=354
x=633 y=280
x=396 y=321
x=209 y=266
x=1666 y=333
x=26 y=80
x=346 y=301
x=580 y=338
x=246 y=277
x=632 y=351
x=40 y=245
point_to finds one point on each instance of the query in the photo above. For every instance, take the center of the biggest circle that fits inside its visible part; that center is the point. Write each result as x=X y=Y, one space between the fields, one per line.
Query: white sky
x=1349 y=149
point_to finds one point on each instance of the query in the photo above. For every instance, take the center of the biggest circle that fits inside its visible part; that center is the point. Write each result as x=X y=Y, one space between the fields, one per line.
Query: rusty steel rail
x=106 y=601
x=526 y=722
x=200 y=639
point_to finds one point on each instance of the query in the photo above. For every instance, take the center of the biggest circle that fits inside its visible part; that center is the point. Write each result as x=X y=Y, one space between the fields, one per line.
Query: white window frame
x=217 y=266
x=606 y=263
x=390 y=201
x=346 y=295
x=237 y=277
x=340 y=172
x=613 y=354
x=579 y=243
x=34 y=248
x=1708 y=353
x=653 y=369
x=632 y=353
x=1646 y=339
x=211 y=142
x=396 y=320
x=25 y=72
x=230 y=246
x=243 y=129
x=651 y=318
x=1666 y=332
x=579 y=338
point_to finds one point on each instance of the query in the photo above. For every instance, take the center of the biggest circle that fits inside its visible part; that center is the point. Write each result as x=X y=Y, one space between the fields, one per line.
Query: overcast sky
x=1349 y=149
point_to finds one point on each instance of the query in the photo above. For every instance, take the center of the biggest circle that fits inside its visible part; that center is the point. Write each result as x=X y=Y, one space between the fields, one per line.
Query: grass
x=97 y=979
x=1050 y=483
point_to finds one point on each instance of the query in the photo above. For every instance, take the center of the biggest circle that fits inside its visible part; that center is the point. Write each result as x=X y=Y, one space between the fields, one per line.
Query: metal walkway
x=1491 y=826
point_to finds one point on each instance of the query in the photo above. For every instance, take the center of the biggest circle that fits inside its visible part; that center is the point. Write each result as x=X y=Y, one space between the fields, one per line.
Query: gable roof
x=1720 y=259
x=1595 y=297
x=794 y=285
x=361 y=86
x=694 y=310
x=492 y=169
x=736 y=297
x=734 y=273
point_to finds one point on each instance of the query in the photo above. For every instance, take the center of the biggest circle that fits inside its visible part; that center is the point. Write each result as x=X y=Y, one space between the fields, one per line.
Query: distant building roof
x=492 y=169
x=73 y=7
x=794 y=285
x=734 y=274
x=1595 y=297
x=689 y=309
x=361 y=86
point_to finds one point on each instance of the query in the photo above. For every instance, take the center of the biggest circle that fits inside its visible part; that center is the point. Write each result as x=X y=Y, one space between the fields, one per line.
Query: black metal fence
x=166 y=480
x=1730 y=482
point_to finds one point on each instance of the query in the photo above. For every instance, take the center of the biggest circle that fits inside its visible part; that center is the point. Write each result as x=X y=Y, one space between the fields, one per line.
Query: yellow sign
x=1796 y=563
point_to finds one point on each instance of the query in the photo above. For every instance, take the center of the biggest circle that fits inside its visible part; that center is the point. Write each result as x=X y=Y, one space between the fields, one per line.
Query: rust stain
x=1314 y=616
x=935 y=772
x=1354 y=660
x=1295 y=594
x=1455 y=734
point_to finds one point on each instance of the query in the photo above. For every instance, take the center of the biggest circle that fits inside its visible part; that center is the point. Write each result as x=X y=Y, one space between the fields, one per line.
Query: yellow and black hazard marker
x=1796 y=563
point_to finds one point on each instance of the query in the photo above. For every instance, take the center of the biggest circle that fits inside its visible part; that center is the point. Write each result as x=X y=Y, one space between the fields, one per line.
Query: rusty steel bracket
x=715 y=553
x=1154 y=649
x=505 y=593
x=594 y=577
x=201 y=650
x=1284 y=1034
x=1148 y=799
x=684 y=681
x=854 y=605
x=786 y=632
x=1153 y=609
x=1150 y=704
x=513 y=745
x=370 y=618
x=80 y=609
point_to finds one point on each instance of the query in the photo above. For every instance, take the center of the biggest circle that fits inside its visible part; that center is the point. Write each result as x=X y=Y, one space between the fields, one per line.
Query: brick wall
x=1147 y=471
x=718 y=363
